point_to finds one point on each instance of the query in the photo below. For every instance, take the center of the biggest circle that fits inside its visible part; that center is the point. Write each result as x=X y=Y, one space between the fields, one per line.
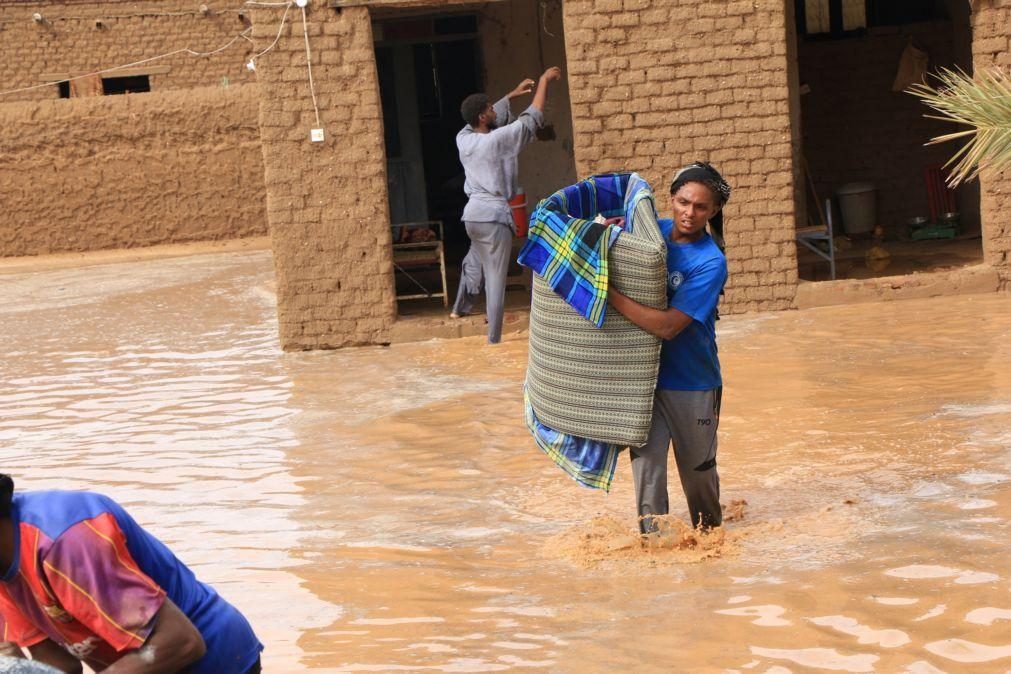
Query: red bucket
x=518 y=204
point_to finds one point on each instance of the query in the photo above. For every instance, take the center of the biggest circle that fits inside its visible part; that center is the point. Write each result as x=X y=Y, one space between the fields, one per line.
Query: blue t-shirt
x=93 y=546
x=696 y=273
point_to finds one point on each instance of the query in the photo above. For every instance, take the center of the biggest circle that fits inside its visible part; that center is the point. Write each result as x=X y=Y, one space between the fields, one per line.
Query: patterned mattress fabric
x=598 y=383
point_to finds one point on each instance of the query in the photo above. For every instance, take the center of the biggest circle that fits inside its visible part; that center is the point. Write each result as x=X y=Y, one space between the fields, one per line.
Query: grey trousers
x=471 y=283
x=492 y=244
x=690 y=420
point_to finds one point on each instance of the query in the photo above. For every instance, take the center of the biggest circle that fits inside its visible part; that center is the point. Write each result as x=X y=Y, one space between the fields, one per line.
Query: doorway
x=863 y=163
x=426 y=67
x=428 y=61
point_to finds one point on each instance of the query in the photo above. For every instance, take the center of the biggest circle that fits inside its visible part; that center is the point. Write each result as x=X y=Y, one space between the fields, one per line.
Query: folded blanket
x=591 y=463
x=590 y=389
x=568 y=249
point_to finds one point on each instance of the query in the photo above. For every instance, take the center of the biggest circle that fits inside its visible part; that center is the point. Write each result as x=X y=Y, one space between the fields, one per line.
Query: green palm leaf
x=983 y=104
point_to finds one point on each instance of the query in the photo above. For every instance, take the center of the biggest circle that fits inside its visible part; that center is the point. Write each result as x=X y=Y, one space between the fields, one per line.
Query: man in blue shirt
x=80 y=580
x=686 y=407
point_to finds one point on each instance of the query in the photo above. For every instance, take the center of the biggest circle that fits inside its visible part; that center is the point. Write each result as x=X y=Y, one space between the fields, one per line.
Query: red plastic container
x=518 y=204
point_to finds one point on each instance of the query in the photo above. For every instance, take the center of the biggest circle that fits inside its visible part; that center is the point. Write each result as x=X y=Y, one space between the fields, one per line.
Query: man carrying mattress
x=686 y=405
x=489 y=147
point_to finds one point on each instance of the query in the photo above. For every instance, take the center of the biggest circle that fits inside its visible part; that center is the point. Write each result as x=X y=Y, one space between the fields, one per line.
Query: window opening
x=833 y=19
x=134 y=84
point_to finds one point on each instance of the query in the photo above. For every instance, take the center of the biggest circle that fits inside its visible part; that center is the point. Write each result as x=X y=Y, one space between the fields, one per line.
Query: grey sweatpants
x=471 y=283
x=492 y=244
x=689 y=419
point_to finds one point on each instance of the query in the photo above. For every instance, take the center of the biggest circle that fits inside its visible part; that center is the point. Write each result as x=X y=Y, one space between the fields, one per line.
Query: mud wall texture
x=130 y=171
x=656 y=84
x=991 y=46
x=77 y=38
x=326 y=202
x=520 y=39
x=856 y=129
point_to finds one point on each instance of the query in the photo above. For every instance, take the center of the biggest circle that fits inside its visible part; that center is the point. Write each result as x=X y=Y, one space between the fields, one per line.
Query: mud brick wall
x=656 y=84
x=70 y=42
x=130 y=171
x=991 y=46
x=856 y=129
x=520 y=38
x=326 y=202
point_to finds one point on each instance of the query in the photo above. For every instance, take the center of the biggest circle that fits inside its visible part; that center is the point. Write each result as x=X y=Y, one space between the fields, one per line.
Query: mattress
x=591 y=382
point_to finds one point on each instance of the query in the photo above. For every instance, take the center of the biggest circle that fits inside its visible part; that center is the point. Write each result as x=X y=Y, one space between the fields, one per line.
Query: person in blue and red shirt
x=82 y=581
x=689 y=390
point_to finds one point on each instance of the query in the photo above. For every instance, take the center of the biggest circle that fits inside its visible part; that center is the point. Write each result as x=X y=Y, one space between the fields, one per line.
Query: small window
x=456 y=25
x=900 y=12
x=822 y=19
x=831 y=19
x=136 y=84
x=64 y=88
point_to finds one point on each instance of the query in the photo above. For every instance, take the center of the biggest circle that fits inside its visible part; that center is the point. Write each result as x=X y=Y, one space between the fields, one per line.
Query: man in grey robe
x=489 y=148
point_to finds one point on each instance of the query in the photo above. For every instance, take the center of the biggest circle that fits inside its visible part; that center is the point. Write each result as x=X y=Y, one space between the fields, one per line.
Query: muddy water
x=384 y=509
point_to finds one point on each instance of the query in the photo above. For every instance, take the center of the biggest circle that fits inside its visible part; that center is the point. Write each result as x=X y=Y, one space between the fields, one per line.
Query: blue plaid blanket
x=568 y=250
x=591 y=463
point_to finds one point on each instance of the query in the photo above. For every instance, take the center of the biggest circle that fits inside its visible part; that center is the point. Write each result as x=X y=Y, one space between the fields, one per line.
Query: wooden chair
x=416 y=255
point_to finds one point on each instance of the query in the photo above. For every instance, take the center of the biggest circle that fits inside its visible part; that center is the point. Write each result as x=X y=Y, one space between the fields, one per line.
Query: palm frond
x=982 y=103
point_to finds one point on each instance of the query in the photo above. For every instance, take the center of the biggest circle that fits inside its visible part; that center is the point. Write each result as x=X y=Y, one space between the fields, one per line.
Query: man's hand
x=552 y=74
x=665 y=324
x=523 y=88
x=173 y=644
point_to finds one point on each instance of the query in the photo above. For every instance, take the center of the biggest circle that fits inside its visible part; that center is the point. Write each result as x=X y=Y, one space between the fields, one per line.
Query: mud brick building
x=787 y=97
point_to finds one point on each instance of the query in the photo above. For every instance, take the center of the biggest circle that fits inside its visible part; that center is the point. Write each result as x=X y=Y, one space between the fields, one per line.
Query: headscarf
x=703 y=172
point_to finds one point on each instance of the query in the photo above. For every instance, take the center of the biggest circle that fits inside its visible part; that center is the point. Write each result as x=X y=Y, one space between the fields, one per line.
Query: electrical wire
x=280 y=29
x=544 y=18
x=308 y=62
x=184 y=50
x=135 y=15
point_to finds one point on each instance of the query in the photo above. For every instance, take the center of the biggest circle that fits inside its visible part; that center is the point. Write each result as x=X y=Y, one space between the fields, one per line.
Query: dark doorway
x=426 y=67
x=451 y=70
x=864 y=163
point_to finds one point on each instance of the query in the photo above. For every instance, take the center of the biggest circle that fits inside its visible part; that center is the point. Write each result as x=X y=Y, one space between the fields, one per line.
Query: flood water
x=384 y=509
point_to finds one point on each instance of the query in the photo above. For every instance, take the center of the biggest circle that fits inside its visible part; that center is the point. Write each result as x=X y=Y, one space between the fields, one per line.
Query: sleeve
x=699 y=293
x=15 y=627
x=98 y=582
x=503 y=111
x=512 y=137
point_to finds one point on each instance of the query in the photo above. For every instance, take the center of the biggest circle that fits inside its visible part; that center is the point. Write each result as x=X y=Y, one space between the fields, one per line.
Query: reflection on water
x=383 y=509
